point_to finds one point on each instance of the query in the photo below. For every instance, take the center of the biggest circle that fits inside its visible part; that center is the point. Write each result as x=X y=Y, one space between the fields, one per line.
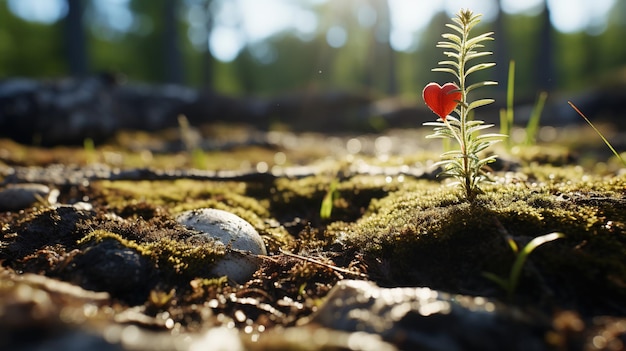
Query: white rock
x=236 y=234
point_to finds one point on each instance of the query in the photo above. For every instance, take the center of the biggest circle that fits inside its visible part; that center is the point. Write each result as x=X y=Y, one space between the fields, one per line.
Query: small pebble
x=233 y=232
x=20 y=196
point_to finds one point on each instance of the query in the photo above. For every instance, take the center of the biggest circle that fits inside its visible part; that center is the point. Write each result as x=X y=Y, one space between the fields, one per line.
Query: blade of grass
x=532 y=128
x=326 y=209
x=510 y=93
x=504 y=128
x=90 y=150
x=597 y=131
x=510 y=284
x=516 y=270
x=506 y=115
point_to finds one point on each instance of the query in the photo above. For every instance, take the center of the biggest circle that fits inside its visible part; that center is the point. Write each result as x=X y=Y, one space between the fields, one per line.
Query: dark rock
x=49 y=111
x=426 y=319
x=110 y=266
x=46 y=227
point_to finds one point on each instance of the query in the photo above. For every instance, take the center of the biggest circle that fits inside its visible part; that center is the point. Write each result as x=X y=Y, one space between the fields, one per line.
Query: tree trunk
x=545 y=72
x=381 y=65
x=385 y=27
x=501 y=55
x=75 y=39
x=208 y=59
x=172 y=55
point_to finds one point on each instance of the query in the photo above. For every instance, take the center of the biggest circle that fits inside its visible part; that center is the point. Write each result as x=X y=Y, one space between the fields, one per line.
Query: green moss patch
x=424 y=234
x=181 y=195
x=174 y=259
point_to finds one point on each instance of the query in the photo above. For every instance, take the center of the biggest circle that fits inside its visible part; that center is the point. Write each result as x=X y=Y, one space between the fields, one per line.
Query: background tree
x=381 y=61
x=500 y=52
x=75 y=38
x=168 y=41
x=30 y=49
x=545 y=74
x=208 y=59
x=171 y=46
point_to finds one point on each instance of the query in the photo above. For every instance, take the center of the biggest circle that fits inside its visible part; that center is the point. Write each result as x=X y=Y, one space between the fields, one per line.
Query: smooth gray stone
x=20 y=196
x=426 y=319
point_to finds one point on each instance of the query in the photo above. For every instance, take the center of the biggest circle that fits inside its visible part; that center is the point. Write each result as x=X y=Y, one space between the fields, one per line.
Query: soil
x=329 y=208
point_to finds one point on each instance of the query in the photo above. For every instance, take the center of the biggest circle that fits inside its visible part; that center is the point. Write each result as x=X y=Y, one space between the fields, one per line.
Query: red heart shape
x=442 y=100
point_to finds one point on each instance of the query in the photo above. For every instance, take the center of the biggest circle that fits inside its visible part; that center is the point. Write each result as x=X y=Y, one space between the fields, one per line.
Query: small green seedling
x=464 y=164
x=326 y=209
x=510 y=284
x=191 y=140
x=90 y=150
x=532 y=128
x=599 y=133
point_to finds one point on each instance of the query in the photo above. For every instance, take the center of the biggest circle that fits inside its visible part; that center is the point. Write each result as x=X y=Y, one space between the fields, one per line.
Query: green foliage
x=29 y=49
x=465 y=164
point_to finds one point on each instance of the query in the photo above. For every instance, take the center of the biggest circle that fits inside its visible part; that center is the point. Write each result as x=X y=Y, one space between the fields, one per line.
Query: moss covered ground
x=392 y=222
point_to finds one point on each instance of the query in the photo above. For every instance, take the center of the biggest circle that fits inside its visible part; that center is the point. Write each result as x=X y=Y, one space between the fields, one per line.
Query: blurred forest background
x=342 y=44
x=305 y=46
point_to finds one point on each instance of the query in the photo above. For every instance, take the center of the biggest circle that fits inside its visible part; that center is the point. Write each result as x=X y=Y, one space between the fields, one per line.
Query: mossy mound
x=426 y=235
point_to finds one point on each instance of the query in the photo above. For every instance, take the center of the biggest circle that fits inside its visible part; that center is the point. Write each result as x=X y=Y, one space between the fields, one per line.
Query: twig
x=314 y=261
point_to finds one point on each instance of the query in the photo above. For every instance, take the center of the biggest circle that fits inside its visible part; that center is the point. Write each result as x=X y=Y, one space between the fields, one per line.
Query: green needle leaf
x=478 y=103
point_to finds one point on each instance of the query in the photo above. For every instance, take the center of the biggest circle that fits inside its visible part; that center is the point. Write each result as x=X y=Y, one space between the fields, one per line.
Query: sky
x=251 y=21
